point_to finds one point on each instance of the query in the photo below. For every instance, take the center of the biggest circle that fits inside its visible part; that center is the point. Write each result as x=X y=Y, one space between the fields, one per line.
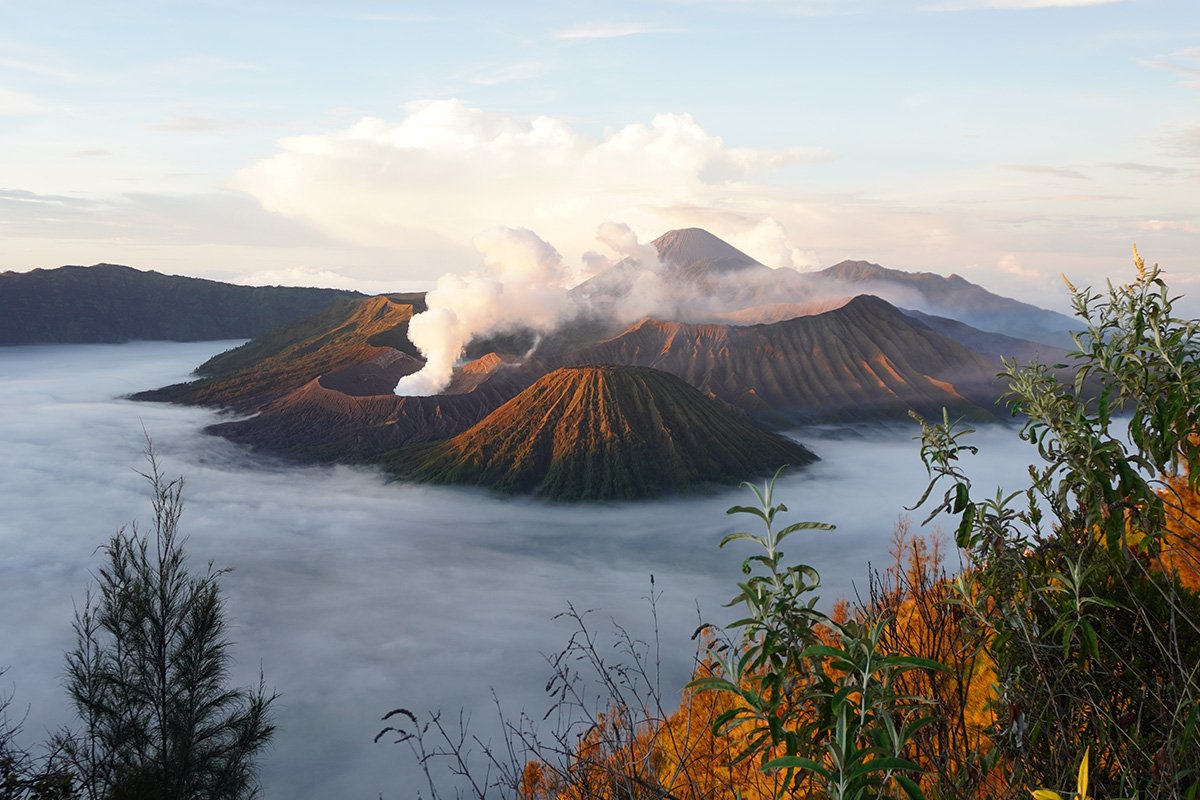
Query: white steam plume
x=621 y=239
x=632 y=282
x=768 y=242
x=524 y=285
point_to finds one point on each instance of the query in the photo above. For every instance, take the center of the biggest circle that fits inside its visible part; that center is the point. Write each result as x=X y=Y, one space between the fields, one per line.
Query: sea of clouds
x=356 y=596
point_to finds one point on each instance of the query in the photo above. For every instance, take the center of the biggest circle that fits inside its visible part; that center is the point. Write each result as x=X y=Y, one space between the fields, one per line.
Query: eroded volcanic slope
x=322 y=388
x=319 y=422
x=863 y=361
x=112 y=303
x=603 y=432
x=359 y=346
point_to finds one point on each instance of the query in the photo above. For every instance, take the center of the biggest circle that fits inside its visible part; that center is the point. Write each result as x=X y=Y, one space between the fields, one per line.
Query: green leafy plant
x=817 y=699
x=1094 y=642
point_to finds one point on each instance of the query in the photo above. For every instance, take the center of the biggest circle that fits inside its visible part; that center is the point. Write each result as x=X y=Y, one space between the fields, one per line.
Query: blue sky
x=369 y=144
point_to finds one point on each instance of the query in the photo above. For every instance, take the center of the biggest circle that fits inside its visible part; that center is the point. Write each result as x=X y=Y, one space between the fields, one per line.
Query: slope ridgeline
x=111 y=303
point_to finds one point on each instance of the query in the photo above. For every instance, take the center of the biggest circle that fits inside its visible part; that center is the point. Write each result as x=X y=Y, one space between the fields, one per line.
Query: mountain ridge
x=864 y=360
x=353 y=334
x=113 y=303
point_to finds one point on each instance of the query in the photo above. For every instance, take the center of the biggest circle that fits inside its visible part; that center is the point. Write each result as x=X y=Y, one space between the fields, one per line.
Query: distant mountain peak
x=691 y=247
x=858 y=271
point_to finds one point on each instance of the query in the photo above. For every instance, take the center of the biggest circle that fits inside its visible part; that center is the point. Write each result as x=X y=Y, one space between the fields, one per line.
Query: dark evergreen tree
x=149 y=671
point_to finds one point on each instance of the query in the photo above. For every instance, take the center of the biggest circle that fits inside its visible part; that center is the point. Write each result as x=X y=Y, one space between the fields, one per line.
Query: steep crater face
x=319 y=423
x=599 y=433
x=358 y=346
x=863 y=361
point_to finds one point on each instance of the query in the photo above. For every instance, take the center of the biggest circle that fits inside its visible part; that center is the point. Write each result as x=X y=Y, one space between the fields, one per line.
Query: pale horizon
x=370 y=145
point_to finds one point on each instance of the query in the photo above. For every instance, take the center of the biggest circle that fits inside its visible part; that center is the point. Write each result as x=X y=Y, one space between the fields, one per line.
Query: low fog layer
x=356 y=596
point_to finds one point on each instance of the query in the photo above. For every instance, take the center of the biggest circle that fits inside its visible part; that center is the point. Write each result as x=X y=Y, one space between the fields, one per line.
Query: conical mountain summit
x=603 y=432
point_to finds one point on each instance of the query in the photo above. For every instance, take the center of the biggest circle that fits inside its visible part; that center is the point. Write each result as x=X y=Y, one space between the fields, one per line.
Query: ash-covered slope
x=112 y=303
x=318 y=422
x=863 y=361
x=602 y=433
x=359 y=347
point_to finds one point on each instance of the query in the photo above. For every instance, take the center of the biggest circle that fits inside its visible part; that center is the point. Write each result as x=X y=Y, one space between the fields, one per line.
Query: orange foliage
x=681 y=758
x=1181 y=550
x=677 y=758
x=917 y=593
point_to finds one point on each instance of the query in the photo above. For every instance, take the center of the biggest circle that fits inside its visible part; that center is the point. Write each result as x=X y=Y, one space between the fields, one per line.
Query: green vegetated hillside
x=360 y=345
x=111 y=303
x=604 y=432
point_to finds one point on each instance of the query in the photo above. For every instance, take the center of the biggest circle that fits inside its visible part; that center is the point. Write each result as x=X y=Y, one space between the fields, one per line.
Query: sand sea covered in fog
x=356 y=596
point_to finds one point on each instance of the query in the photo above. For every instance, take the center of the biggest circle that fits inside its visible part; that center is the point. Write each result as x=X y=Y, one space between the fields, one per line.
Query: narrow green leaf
x=796 y=762
x=910 y=787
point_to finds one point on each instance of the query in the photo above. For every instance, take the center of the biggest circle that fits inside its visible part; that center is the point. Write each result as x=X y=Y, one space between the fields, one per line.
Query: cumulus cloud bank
x=451 y=170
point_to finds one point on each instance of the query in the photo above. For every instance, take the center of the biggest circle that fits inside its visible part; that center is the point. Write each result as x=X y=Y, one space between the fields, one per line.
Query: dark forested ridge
x=111 y=303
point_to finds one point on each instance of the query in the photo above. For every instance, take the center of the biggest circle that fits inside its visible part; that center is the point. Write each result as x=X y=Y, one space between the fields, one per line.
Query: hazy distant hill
x=700 y=278
x=953 y=297
x=110 y=303
x=601 y=433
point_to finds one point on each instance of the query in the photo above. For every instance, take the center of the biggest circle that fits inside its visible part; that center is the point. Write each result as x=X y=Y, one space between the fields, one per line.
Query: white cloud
x=1169 y=225
x=19 y=104
x=192 y=124
x=1180 y=141
x=1009 y=264
x=769 y=243
x=513 y=72
x=1057 y=172
x=1145 y=169
x=60 y=74
x=609 y=30
x=1182 y=62
x=451 y=170
x=307 y=276
x=1017 y=5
